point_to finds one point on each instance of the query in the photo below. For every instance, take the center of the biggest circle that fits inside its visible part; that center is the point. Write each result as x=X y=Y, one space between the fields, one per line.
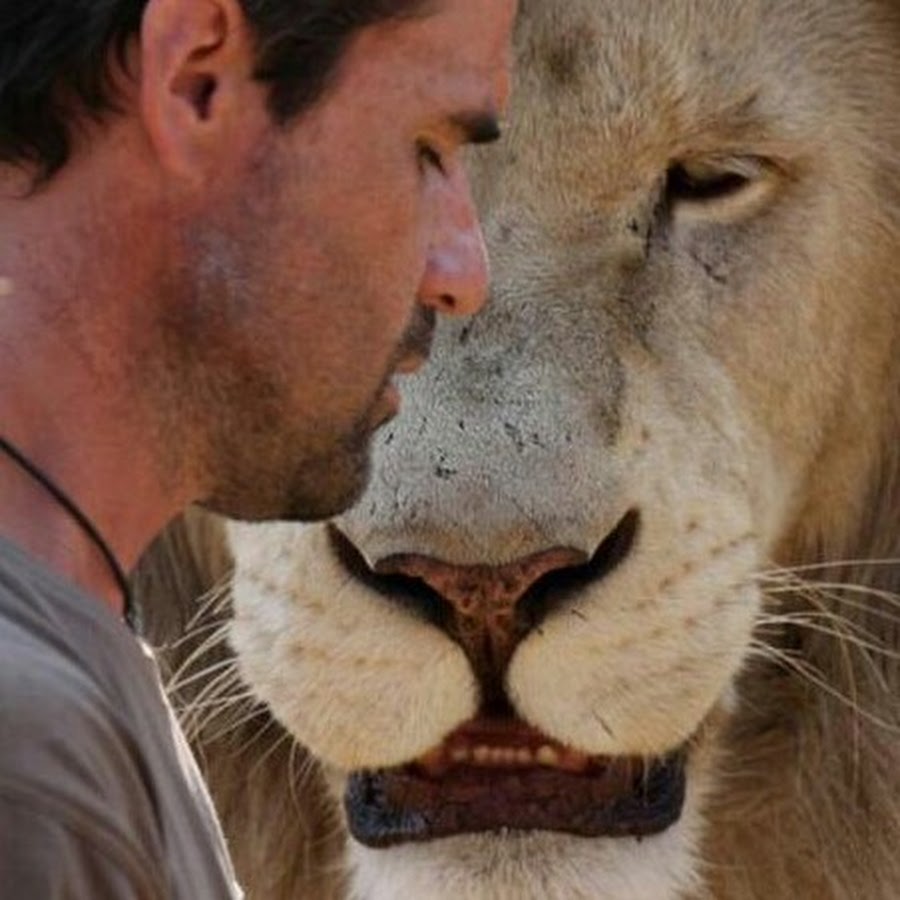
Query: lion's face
x=554 y=575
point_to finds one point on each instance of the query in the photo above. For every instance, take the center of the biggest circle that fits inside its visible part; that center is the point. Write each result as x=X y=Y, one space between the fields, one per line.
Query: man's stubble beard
x=295 y=475
x=228 y=406
x=265 y=471
x=224 y=418
x=262 y=462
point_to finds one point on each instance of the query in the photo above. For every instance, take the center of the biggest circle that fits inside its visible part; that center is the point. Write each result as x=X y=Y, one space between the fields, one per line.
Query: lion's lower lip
x=610 y=797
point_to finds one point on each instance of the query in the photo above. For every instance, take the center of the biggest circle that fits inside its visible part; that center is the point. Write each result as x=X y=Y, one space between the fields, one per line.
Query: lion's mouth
x=493 y=774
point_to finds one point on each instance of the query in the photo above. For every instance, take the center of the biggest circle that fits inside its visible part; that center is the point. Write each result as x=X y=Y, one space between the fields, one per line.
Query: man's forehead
x=453 y=59
x=452 y=32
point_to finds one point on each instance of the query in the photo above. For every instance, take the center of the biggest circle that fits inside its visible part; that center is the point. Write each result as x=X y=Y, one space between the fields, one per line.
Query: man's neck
x=34 y=520
x=68 y=400
x=126 y=515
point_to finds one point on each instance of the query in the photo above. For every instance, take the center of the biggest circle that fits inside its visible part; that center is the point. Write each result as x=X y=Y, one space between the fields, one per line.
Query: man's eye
x=428 y=156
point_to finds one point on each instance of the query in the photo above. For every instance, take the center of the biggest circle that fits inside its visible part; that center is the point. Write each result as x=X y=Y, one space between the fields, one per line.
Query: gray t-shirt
x=100 y=798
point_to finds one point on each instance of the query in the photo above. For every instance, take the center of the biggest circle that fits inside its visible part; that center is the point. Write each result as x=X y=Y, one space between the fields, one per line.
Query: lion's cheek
x=357 y=681
x=634 y=685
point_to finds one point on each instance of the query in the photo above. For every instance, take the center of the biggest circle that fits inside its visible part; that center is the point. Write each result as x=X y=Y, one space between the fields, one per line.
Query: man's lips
x=415 y=348
x=494 y=774
x=390 y=394
x=411 y=364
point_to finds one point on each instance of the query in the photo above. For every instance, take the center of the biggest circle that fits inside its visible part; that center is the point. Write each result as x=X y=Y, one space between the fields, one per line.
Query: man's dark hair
x=56 y=58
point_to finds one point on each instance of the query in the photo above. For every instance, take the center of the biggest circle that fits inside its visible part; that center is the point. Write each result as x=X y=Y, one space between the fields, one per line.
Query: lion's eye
x=718 y=188
x=699 y=183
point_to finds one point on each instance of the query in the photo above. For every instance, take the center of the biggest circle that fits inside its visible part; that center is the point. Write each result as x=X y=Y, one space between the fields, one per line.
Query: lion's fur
x=781 y=452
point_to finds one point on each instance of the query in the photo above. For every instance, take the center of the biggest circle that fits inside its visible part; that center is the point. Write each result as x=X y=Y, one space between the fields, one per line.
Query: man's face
x=314 y=274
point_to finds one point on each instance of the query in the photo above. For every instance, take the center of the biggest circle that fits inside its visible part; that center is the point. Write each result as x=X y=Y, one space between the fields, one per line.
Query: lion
x=618 y=615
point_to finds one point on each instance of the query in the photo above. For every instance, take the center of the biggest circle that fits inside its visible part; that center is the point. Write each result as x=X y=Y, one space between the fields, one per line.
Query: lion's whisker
x=808 y=622
x=276 y=744
x=782 y=598
x=214 y=690
x=813 y=676
x=250 y=710
x=212 y=602
x=207 y=714
x=833 y=589
x=173 y=686
x=204 y=647
x=189 y=637
x=832 y=564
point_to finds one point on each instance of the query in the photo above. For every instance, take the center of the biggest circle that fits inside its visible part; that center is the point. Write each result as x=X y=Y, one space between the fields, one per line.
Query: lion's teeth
x=504 y=757
x=460 y=754
x=547 y=756
x=482 y=755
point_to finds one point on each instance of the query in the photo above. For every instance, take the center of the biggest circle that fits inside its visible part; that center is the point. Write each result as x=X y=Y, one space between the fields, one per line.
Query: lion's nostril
x=411 y=593
x=561 y=586
x=488 y=610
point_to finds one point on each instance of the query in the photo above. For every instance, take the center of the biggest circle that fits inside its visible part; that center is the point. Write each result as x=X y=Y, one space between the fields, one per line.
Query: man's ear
x=197 y=92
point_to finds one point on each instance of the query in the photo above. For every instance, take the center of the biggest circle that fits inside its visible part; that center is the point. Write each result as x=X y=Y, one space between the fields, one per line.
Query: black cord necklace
x=83 y=521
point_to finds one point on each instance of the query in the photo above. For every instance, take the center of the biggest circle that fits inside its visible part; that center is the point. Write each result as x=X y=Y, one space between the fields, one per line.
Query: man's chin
x=326 y=490
x=328 y=502
x=316 y=490
x=332 y=485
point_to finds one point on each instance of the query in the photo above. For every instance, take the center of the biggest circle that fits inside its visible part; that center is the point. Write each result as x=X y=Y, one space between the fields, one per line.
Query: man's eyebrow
x=476 y=127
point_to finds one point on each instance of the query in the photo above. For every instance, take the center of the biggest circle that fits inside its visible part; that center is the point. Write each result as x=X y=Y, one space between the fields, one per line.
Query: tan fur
x=732 y=373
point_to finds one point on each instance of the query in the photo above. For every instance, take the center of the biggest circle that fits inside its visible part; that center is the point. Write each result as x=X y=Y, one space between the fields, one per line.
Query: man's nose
x=456 y=274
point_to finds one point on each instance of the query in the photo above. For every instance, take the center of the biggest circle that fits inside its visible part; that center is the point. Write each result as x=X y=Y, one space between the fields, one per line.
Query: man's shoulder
x=48 y=854
x=39 y=669
x=65 y=755
x=56 y=719
x=42 y=684
x=49 y=650
x=64 y=743
x=75 y=815
x=88 y=741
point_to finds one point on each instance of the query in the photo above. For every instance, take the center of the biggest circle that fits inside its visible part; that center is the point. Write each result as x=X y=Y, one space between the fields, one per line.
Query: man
x=226 y=226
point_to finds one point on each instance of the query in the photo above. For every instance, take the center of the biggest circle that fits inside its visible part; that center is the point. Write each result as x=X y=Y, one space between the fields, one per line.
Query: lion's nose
x=489 y=609
x=485 y=617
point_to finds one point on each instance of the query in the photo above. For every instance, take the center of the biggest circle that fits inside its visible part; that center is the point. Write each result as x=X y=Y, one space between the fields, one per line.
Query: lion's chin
x=502 y=775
